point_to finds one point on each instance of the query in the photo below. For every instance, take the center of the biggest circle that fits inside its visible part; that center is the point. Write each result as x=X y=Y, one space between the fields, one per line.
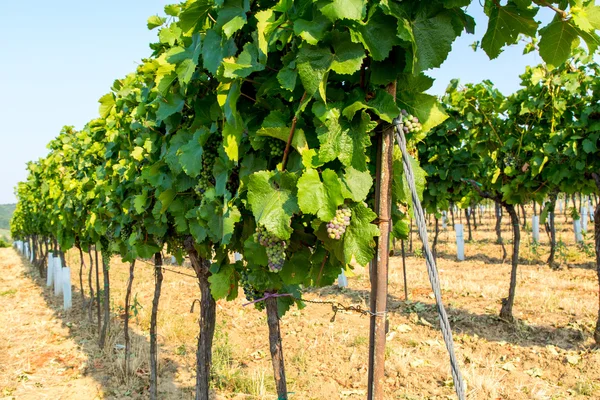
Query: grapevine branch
x=482 y=193
x=288 y=145
x=563 y=14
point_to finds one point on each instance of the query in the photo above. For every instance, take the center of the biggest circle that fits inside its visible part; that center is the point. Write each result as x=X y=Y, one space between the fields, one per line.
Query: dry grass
x=548 y=354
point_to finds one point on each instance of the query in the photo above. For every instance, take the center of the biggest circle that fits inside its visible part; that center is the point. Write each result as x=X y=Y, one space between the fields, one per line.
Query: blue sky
x=60 y=57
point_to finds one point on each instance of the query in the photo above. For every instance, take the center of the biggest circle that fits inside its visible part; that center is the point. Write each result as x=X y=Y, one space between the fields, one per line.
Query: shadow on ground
x=105 y=366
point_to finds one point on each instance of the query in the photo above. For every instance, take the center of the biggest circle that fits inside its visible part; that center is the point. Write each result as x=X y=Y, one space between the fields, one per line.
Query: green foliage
x=181 y=150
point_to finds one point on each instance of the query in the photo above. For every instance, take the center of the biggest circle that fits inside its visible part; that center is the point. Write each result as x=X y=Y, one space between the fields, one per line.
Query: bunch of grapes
x=126 y=232
x=410 y=123
x=274 y=246
x=249 y=291
x=209 y=155
x=337 y=226
x=277 y=147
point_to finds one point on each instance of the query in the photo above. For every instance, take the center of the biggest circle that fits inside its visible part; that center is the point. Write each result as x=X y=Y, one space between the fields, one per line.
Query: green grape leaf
x=433 y=37
x=557 y=41
x=378 y=35
x=340 y=139
x=166 y=198
x=107 y=102
x=383 y=104
x=138 y=153
x=273 y=200
x=312 y=31
x=140 y=202
x=357 y=184
x=320 y=198
x=212 y=51
x=313 y=65
x=222 y=282
x=169 y=105
x=275 y=125
x=505 y=25
x=190 y=156
x=358 y=239
x=425 y=107
x=155 y=21
x=194 y=14
x=244 y=65
x=296 y=268
x=343 y=9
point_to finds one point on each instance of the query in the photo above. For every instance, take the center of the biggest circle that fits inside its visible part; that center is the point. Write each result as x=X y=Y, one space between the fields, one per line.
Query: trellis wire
x=430 y=261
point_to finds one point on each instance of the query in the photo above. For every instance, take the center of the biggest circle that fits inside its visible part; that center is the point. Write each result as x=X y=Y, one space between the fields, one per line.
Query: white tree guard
x=444 y=219
x=560 y=205
x=66 y=286
x=460 y=242
x=342 y=280
x=591 y=211
x=584 y=219
x=577 y=230
x=58 y=287
x=50 y=269
x=535 y=228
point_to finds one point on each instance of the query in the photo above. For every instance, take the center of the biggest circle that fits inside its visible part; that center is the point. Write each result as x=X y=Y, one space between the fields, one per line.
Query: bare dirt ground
x=548 y=354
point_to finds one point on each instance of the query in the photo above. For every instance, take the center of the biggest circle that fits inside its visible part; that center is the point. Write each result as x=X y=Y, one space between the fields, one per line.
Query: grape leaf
x=272 y=197
x=556 y=42
x=343 y=9
x=505 y=25
x=190 y=156
x=222 y=281
x=320 y=198
x=358 y=239
x=357 y=184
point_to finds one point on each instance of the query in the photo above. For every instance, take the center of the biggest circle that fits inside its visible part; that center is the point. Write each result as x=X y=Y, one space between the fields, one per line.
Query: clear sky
x=60 y=57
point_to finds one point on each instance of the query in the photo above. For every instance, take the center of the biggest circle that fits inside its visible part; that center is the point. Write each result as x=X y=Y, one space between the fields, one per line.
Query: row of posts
x=579 y=225
x=57 y=276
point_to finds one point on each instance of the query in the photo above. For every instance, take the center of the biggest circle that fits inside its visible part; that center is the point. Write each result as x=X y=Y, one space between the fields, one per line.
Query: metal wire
x=430 y=261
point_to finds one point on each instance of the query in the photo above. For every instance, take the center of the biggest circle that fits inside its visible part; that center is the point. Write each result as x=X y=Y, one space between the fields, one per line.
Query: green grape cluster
x=277 y=147
x=249 y=291
x=337 y=226
x=126 y=232
x=274 y=246
x=209 y=155
x=410 y=123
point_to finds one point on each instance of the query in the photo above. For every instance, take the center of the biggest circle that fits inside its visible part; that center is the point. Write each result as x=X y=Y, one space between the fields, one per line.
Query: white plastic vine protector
x=50 y=269
x=577 y=229
x=57 y=276
x=342 y=280
x=469 y=211
x=560 y=206
x=66 y=284
x=584 y=219
x=460 y=242
x=591 y=211
x=237 y=256
x=535 y=228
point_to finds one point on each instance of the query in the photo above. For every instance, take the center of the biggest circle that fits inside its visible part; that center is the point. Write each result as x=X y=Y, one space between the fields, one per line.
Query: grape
x=274 y=246
x=249 y=291
x=209 y=155
x=410 y=123
x=276 y=146
x=337 y=226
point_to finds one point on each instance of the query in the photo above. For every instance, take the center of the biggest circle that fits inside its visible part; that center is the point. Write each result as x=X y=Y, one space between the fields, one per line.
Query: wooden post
x=379 y=268
x=276 y=347
x=158 y=278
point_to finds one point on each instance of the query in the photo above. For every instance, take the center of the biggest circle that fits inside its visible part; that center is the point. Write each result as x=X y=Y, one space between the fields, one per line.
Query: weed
x=10 y=292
